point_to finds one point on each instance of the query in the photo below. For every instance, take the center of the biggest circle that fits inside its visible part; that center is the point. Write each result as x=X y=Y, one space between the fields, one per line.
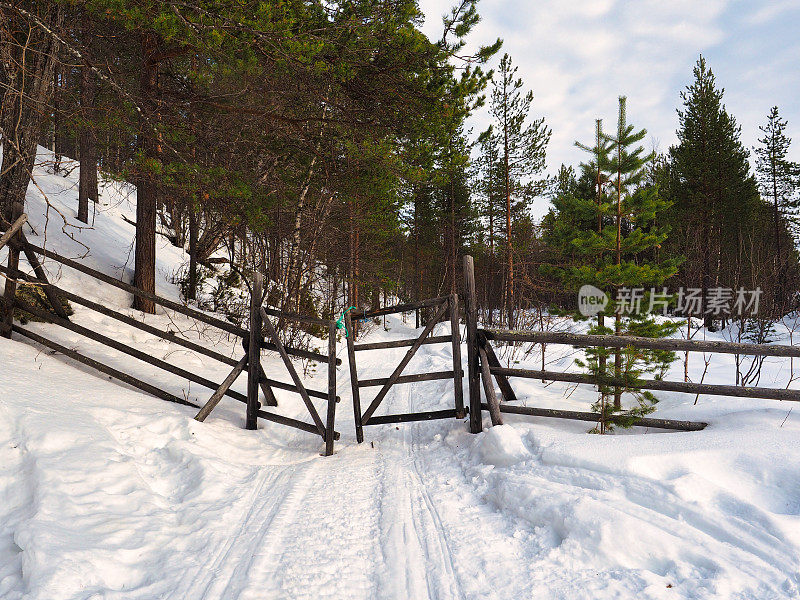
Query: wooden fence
x=484 y=369
x=252 y=340
x=485 y=366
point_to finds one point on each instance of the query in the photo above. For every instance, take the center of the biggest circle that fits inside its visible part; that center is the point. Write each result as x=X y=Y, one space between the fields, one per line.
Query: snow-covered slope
x=106 y=492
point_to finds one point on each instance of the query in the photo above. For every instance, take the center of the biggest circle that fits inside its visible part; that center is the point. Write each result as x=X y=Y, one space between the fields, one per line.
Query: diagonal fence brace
x=403 y=363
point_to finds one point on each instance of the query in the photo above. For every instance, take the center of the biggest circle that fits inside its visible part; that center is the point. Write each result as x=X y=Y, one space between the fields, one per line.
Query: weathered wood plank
x=15 y=227
x=415 y=378
x=103 y=368
x=52 y=297
x=212 y=402
x=488 y=387
x=455 y=335
x=437 y=339
x=658 y=385
x=281 y=420
x=354 y=386
x=254 y=353
x=430 y=415
x=290 y=387
x=595 y=417
x=176 y=306
x=119 y=346
x=506 y=390
x=296 y=317
x=613 y=341
x=330 y=421
x=10 y=288
x=473 y=369
x=170 y=304
x=269 y=395
x=293 y=374
x=123 y=318
x=399 y=308
x=299 y=353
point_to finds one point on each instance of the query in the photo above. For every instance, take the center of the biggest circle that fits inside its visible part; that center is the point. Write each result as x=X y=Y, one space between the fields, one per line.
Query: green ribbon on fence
x=340 y=321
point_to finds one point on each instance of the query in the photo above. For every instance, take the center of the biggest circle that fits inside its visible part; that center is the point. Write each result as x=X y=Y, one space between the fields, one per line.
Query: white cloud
x=578 y=56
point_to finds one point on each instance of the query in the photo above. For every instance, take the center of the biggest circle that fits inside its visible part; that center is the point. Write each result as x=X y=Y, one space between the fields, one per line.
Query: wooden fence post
x=254 y=353
x=331 y=417
x=351 y=354
x=455 y=333
x=473 y=370
x=10 y=292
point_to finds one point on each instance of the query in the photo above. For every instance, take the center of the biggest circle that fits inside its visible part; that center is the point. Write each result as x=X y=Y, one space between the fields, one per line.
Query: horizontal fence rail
x=655 y=384
x=120 y=347
x=166 y=303
x=580 y=340
x=399 y=308
x=171 y=304
x=437 y=339
x=595 y=417
x=102 y=367
x=610 y=341
x=123 y=318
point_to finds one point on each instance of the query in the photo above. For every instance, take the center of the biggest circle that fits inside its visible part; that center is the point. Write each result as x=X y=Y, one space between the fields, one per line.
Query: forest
x=329 y=146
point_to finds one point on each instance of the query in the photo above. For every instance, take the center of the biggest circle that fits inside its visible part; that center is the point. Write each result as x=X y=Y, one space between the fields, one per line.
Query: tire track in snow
x=262 y=523
x=434 y=556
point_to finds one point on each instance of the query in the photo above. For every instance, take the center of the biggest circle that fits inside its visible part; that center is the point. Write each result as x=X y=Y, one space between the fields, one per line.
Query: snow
x=108 y=493
x=501 y=446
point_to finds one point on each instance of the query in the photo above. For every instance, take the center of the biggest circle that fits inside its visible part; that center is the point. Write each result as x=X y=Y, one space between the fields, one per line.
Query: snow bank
x=501 y=446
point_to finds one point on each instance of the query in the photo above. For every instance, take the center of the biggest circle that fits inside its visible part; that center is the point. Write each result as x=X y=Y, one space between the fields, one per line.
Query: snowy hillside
x=106 y=492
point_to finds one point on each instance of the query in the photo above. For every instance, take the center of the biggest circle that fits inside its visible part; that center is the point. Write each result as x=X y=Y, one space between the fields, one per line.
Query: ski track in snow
x=107 y=493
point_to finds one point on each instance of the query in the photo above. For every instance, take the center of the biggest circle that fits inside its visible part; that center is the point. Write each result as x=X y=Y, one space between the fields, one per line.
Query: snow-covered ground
x=106 y=492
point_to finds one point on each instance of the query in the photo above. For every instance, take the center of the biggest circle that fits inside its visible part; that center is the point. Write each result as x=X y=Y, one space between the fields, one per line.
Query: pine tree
x=490 y=185
x=714 y=195
x=606 y=238
x=523 y=149
x=777 y=182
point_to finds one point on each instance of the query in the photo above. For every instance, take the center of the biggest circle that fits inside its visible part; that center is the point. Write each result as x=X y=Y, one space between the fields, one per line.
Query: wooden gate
x=441 y=307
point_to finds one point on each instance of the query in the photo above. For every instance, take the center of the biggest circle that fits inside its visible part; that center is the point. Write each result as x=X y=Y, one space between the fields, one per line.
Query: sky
x=579 y=56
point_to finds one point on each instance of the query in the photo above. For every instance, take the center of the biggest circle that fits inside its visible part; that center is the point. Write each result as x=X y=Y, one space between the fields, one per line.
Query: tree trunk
x=618 y=317
x=490 y=272
x=55 y=138
x=780 y=292
x=453 y=248
x=87 y=182
x=25 y=97
x=353 y=283
x=192 y=291
x=509 y=246
x=146 y=188
x=705 y=251
x=417 y=272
